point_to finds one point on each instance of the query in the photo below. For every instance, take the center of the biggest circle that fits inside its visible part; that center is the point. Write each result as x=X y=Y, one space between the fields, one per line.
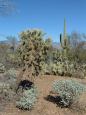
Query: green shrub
x=68 y=90
x=27 y=101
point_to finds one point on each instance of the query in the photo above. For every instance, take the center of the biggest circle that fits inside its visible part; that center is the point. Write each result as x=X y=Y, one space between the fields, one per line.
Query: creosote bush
x=28 y=99
x=68 y=90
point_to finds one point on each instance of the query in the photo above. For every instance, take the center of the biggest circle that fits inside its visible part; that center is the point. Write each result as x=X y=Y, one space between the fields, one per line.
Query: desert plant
x=68 y=90
x=27 y=101
x=10 y=77
x=64 y=40
x=33 y=51
x=6 y=93
x=2 y=68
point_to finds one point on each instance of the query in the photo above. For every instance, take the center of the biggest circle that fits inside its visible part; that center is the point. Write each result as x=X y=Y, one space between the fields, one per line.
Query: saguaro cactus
x=64 y=39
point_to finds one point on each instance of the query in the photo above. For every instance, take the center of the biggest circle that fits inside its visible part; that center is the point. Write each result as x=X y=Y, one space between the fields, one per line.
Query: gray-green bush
x=68 y=90
x=28 y=99
x=11 y=77
x=6 y=93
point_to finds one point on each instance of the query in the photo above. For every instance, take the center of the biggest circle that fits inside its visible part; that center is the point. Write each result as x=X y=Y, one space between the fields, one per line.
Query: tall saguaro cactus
x=64 y=39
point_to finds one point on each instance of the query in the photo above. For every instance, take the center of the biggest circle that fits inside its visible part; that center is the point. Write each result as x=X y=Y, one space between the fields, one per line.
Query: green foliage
x=2 y=68
x=27 y=101
x=68 y=90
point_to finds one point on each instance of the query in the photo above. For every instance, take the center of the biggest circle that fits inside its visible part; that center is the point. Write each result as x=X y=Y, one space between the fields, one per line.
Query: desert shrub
x=12 y=60
x=8 y=86
x=6 y=93
x=28 y=99
x=49 y=69
x=10 y=77
x=12 y=74
x=68 y=90
x=3 y=52
x=2 y=68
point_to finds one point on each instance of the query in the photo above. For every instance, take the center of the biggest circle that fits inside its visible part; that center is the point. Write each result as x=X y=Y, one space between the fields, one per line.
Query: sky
x=47 y=15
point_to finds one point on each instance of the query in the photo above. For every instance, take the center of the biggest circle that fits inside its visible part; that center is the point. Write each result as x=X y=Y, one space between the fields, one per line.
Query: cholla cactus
x=33 y=51
x=30 y=50
x=60 y=68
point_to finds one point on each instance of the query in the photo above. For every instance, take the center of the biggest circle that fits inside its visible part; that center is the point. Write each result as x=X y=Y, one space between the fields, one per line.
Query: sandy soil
x=43 y=106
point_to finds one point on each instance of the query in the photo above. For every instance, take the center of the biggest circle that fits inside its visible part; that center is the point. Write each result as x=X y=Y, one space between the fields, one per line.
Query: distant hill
x=56 y=45
x=3 y=42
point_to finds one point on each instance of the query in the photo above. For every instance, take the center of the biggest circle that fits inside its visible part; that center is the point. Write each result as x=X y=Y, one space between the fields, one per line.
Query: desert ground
x=43 y=106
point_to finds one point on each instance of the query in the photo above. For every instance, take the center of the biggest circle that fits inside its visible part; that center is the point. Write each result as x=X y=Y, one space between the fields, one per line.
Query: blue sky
x=47 y=15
